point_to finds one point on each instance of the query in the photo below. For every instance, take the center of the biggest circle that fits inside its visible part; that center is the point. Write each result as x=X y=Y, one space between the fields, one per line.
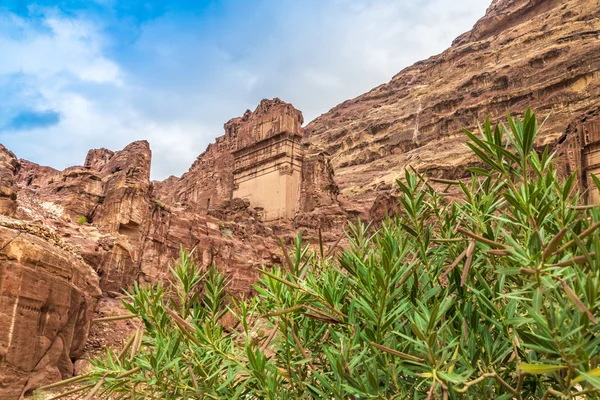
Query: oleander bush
x=492 y=296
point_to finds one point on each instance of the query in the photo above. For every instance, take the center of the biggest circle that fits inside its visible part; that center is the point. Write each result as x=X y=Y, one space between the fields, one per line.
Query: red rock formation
x=98 y=158
x=9 y=165
x=385 y=205
x=130 y=234
x=580 y=149
x=209 y=182
x=318 y=204
x=543 y=54
x=47 y=297
x=35 y=176
x=540 y=53
x=237 y=252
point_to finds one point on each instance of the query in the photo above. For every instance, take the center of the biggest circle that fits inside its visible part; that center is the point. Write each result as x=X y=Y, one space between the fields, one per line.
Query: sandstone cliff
x=47 y=297
x=210 y=181
x=9 y=166
x=64 y=235
x=108 y=210
x=67 y=237
x=539 y=53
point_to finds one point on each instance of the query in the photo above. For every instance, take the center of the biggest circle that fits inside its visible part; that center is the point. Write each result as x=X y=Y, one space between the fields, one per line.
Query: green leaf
x=594 y=372
x=451 y=377
x=540 y=369
x=592 y=379
x=479 y=171
x=596 y=181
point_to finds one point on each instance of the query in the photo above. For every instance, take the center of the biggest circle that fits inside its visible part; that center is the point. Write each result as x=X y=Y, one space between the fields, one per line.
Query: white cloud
x=67 y=46
x=179 y=79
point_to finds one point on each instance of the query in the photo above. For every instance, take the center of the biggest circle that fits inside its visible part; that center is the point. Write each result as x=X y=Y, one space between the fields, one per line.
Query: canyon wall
x=543 y=54
x=68 y=237
x=47 y=296
x=109 y=211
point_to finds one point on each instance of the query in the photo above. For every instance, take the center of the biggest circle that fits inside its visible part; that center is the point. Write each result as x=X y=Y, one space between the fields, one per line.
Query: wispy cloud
x=106 y=73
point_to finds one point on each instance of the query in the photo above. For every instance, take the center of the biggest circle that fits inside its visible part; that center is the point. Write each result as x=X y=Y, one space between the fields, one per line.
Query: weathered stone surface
x=232 y=247
x=35 y=176
x=543 y=54
x=539 y=53
x=385 y=205
x=126 y=181
x=130 y=236
x=580 y=150
x=211 y=181
x=234 y=210
x=98 y=158
x=318 y=205
x=47 y=297
x=9 y=166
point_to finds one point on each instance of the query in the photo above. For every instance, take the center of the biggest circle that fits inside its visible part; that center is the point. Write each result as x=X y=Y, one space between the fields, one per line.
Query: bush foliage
x=492 y=296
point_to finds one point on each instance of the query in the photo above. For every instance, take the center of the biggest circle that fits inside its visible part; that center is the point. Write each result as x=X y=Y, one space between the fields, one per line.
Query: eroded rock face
x=9 y=166
x=233 y=247
x=35 y=176
x=319 y=205
x=539 y=53
x=55 y=263
x=386 y=204
x=580 y=152
x=131 y=234
x=47 y=298
x=210 y=180
x=126 y=183
x=97 y=158
x=543 y=53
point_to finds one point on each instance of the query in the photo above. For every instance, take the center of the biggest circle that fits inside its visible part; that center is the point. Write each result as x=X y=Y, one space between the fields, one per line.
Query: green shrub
x=82 y=220
x=495 y=296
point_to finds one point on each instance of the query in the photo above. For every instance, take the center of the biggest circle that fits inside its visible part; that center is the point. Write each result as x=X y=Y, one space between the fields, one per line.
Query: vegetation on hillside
x=493 y=296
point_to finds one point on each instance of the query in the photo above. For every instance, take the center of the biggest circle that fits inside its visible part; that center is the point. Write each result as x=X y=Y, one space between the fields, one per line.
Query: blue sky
x=76 y=75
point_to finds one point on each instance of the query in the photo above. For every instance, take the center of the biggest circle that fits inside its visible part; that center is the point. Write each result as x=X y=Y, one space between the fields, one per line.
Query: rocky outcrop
x=319 y=205
x=9 y=166
x=539 y=53
x=579 y=150
x=92 y=227
x=385 y=205
x=35 y=176
x=503 y=15
x=47 y=299
x=106 y=217
x=109 y=211
x=126 y=187
x=47 y=296
x=231 y=246
x=96 y=159
x=210 y=180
